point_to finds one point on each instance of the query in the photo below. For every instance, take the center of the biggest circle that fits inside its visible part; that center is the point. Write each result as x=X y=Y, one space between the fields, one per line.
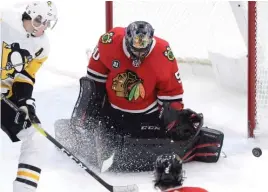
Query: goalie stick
x=128 y=188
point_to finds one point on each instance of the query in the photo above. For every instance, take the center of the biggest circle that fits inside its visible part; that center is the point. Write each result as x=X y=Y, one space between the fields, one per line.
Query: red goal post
x=252 y=65
x=252 y=74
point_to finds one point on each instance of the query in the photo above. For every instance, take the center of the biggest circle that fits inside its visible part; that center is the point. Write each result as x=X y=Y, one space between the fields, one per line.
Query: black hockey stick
x=128 y=188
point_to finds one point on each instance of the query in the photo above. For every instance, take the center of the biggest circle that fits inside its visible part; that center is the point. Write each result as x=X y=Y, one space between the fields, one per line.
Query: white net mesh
x=262 y=67
x=192 y=28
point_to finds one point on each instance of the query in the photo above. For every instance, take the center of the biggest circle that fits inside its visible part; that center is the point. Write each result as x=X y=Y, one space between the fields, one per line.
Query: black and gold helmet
x=168 y=171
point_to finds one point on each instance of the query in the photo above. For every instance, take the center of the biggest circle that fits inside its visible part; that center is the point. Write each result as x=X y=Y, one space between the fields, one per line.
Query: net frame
x=252 y=67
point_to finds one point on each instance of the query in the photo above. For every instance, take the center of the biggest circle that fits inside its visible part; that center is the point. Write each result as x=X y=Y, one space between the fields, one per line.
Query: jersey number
x=96 y=54
x=177 y=75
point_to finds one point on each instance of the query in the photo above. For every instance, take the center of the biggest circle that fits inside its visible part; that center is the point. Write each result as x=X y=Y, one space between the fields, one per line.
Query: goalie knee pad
x=86 y=93
x=89 y=102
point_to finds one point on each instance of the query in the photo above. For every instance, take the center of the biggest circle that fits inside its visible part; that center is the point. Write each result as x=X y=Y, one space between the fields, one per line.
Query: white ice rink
x=79 y=27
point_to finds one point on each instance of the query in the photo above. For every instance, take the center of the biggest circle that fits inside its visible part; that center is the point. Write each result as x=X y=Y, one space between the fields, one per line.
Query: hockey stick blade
x=128 y=188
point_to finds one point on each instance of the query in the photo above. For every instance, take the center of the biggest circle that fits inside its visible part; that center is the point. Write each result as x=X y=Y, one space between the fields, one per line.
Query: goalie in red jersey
x=168 y=174
x=130 y=106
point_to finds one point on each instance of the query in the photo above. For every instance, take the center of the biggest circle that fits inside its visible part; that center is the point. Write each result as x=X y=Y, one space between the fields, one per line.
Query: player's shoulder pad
x=110 y=41
x=112 y=36
x=42 y=48
x=163 y=47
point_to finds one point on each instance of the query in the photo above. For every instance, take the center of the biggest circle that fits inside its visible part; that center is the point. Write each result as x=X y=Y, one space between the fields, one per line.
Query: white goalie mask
x=44 y=15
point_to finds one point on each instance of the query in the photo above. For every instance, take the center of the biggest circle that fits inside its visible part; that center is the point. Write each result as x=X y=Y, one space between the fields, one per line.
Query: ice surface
x=56 y=92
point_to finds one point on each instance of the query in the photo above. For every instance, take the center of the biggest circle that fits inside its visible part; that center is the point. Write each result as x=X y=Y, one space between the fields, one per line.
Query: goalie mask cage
x=181 y=20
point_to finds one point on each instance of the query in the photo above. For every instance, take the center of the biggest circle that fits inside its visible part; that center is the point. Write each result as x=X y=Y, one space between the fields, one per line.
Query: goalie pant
x=31 y=153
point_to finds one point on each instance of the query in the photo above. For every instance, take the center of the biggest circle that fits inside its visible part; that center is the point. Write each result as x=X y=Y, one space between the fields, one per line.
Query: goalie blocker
x=97 y=132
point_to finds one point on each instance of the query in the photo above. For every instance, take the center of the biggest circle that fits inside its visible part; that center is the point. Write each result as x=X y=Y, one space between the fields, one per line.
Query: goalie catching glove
x=180 y=124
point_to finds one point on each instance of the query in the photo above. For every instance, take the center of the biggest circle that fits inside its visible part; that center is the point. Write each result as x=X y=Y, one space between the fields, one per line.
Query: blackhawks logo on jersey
x=128 y=85
x=107 y=38
x=169 y=54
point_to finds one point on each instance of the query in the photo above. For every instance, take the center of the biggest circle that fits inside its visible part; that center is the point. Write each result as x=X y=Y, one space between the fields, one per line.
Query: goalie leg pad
x=208 y=146
x=86 y=96
x=78 y=141
x=139 y=154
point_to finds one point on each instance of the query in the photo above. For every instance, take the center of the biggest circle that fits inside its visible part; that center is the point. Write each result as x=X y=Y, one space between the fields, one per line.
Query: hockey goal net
x=208 y=33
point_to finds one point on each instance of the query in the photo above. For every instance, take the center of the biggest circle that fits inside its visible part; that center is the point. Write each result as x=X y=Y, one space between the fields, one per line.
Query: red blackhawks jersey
x=135 y=89
x=186 y=189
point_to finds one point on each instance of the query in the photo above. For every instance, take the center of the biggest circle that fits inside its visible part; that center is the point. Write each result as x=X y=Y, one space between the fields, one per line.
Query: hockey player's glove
x=28 y=107
x=180 y=124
